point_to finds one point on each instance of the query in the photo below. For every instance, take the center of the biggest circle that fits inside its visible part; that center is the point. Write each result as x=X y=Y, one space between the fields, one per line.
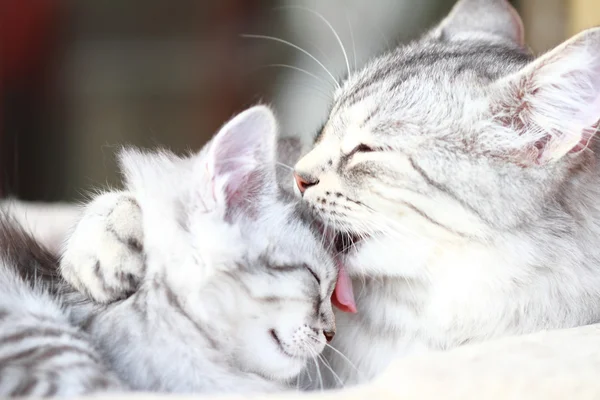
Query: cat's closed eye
x=362 y=148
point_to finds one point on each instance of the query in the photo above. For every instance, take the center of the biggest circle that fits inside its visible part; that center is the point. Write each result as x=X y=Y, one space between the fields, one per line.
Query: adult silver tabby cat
x=463 y=180
x=214 y=282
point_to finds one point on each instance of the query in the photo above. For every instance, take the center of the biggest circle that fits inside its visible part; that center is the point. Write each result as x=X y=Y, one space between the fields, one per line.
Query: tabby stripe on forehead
x=173 y=301
x=397 y=69
x=369 y=117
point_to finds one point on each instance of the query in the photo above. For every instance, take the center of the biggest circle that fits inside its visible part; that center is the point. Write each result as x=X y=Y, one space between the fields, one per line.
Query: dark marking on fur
x=374 y=111
x=30 y=332
x=173 y=301
x=25 y=387
x=444 y=189
x=49 y=353
x=52 y=389
x=407 y=62
x=99 y=273
x=319 y=134
x=99 y=383
x=134 y=245
x=89 y=322
x=428 y=218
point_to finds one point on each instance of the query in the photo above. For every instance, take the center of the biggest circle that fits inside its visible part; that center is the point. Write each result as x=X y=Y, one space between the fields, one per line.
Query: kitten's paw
x=104 y=256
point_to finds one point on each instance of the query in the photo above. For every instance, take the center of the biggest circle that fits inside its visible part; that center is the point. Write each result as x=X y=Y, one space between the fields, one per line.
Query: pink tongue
x=343 y=296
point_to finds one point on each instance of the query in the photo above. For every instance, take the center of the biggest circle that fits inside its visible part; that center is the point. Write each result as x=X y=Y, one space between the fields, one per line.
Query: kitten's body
x=206 y=278
x=459 y=163
x=41 y=352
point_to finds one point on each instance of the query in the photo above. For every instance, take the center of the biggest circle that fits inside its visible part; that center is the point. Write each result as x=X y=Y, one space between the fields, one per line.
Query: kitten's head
x=232 y=251
x=458 y=135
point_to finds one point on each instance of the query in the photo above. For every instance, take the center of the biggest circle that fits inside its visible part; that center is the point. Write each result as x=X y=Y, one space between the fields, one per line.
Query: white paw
x=103 y=257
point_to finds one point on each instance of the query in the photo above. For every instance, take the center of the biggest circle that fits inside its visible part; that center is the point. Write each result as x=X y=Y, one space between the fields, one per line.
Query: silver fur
x=231 y=288
x=467 y=169
x=41 y=353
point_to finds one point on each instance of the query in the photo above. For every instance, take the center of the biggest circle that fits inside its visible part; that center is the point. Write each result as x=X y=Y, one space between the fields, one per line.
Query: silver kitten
x=461 y=176
x=205 y=276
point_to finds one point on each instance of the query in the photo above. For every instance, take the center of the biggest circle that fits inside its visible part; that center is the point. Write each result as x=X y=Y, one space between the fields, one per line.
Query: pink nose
x=304 y=183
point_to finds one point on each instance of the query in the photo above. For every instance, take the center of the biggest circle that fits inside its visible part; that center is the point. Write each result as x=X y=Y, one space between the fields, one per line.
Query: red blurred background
x=79 y=78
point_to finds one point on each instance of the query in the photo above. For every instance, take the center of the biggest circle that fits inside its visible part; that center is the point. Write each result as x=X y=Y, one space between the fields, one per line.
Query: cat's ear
x=483 y=19
x=554 y=102
x=241 y=158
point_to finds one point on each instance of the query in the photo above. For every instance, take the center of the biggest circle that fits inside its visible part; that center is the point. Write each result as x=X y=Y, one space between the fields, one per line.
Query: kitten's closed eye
x=314 y=275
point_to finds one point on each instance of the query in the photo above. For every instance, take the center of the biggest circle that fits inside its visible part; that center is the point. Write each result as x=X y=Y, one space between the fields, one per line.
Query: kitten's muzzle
x=304 y=182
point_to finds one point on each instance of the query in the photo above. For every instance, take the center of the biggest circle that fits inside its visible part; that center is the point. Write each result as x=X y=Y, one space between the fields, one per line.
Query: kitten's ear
x=241 y=158
x=554 y=102
x=482 y=18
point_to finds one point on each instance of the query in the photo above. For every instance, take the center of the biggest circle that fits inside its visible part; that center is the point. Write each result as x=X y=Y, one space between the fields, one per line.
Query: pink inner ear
x=245 y=190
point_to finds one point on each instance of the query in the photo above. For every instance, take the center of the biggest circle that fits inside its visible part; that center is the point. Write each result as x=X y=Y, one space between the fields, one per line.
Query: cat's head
x=456 y=136
x=233 y=250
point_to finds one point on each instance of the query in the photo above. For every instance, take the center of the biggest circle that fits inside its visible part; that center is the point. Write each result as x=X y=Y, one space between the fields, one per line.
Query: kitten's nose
x=304 y=183
x=329 y=335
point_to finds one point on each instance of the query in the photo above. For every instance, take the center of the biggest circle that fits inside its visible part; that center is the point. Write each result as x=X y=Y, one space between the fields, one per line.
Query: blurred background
x=78 y=78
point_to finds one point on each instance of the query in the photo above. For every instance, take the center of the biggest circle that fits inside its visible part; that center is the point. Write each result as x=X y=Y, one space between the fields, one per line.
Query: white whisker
x=322 y=18
x=297 y=69
x=280 y=164
x=265 y=37
x=326 y=364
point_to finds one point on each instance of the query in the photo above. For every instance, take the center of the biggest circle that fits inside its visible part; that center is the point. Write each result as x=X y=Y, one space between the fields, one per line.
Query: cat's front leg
x=104 y=256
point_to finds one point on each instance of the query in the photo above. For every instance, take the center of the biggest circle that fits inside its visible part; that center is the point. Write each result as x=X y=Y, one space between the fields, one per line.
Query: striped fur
x=211 y=281
x=461 y=174
x=41 y=353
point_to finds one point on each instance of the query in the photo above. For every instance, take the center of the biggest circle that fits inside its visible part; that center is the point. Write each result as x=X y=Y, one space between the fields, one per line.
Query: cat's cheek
x=403 y=260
